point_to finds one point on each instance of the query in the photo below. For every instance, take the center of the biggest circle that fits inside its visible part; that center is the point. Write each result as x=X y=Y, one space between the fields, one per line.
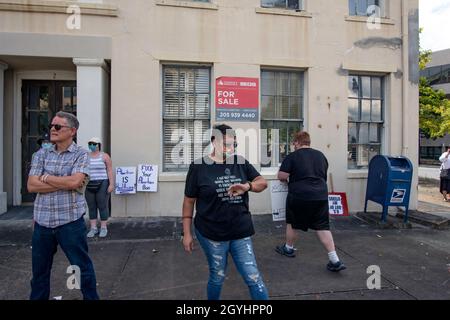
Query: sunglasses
x=57 y=127
x=92 y=144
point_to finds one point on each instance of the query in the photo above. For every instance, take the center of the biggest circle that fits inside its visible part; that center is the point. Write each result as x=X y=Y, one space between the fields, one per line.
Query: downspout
x=405 y=66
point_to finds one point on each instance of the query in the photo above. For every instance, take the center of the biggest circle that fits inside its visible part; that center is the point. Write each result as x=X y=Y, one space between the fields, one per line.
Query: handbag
x=94 y=186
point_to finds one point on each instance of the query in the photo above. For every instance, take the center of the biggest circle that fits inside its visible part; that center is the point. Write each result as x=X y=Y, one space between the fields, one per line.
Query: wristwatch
x=251 y=186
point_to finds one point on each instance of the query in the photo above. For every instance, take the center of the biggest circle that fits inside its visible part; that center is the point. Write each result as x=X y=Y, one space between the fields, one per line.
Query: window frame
x=301 y=6
x=280 y=120
x=182 y=168
x=380 y=123
x=353 y=7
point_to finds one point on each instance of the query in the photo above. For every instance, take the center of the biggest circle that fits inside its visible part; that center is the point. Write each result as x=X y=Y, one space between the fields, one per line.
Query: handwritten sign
x=278 y=194
x=126 y=180
x=337 y=203
x=147 y=180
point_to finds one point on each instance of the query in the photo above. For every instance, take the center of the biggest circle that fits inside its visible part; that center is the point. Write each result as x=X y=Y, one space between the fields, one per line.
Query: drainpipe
x=405 y=65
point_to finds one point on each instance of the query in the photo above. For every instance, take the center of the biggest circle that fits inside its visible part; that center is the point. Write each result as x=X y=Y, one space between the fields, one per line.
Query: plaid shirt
x=58 y=208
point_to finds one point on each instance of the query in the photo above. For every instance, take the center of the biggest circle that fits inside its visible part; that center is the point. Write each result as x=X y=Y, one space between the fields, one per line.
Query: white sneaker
x=92 y=233
x=103 y=232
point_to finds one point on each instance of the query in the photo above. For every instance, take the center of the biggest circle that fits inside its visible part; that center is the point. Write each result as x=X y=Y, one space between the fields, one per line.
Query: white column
x=92 y=99
x=3 y=198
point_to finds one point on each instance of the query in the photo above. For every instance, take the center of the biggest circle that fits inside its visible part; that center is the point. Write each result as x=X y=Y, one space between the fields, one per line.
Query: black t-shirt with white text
x=308 y=174
x=219 y=217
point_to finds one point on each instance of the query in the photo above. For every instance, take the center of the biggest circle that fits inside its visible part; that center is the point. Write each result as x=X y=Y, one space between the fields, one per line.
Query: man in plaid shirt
x=58 y=176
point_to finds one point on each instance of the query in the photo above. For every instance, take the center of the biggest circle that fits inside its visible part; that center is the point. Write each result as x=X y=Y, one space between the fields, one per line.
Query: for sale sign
x=237 y=99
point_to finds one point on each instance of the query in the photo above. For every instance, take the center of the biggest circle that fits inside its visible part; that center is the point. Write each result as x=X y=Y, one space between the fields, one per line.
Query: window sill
x=270 y=173
x=96 y=9
x=364 y=19
x=358 y=174
x=187 y=4
x=172 y=177
x=283 y=12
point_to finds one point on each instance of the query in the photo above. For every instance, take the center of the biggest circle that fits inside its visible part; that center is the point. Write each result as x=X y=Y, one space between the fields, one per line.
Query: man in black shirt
x=307 y=201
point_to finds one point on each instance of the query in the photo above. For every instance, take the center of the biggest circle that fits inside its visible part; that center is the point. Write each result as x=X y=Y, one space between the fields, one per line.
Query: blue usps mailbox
x=389 y=183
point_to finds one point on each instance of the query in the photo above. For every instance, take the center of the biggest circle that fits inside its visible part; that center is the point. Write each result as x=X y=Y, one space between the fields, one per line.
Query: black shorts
x=304 y=215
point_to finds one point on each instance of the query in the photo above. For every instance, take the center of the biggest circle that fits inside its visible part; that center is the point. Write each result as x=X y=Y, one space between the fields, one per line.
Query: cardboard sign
x=126 y=180
x=278 y=194
x=337 y=202
x=237 y=99
x=147 y=180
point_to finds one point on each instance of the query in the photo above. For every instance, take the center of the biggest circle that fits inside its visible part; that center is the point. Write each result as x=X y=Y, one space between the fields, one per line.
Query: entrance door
x=41 y=100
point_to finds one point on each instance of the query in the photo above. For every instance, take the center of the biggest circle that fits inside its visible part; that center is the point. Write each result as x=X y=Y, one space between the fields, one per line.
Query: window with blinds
x=186 y=115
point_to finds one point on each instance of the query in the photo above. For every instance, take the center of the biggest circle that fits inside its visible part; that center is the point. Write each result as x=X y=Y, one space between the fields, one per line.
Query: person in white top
x=445 y=174
x=99 y=188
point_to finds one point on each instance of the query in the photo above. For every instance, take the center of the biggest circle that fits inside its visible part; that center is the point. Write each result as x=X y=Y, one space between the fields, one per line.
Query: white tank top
x=97 y=168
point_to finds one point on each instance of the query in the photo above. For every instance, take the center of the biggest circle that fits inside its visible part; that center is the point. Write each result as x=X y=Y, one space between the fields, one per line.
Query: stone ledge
x=374 y=219
x=283 y=12
x=426 y=219
x=96 y=9
x=187 y=4
x=364 y=19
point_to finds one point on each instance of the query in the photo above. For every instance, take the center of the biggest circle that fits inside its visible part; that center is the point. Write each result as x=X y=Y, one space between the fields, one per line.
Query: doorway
x=41 y=100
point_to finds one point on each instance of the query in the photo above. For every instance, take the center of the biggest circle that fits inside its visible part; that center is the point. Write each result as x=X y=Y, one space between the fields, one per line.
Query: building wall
x=237 y=38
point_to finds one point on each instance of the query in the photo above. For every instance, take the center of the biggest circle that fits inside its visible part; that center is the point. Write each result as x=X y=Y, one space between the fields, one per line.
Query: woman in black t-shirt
x=218 y=186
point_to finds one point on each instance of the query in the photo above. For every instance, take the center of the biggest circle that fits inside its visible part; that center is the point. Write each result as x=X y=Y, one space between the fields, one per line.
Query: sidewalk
x=144 y=259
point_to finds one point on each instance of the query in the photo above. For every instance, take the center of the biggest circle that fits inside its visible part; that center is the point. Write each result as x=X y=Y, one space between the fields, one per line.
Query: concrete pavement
x=143 y=259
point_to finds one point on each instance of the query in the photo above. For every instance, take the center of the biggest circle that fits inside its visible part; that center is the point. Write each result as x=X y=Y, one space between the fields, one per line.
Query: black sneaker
x=336 y=267
x=285 y=251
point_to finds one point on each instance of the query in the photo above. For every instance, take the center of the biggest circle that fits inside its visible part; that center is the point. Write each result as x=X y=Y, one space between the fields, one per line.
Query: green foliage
x=434 y=113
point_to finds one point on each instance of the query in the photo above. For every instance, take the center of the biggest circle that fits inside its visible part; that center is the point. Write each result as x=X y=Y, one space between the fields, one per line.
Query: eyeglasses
x=57 y=127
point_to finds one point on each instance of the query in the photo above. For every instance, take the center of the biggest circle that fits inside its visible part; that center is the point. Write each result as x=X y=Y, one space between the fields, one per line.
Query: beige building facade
x=136 y=70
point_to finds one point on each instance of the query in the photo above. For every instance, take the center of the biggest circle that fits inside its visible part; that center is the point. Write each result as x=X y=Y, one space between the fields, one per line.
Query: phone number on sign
x=237 y=115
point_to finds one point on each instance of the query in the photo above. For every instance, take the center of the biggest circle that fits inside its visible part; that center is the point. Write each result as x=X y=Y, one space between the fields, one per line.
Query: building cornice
x=86 y=62
x=97 y=9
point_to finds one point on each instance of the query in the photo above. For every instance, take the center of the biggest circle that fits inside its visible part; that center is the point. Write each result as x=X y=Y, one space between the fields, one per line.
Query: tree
x=434 y=112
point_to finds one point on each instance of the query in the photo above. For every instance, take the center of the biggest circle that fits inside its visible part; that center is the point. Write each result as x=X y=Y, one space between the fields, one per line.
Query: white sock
x=333 y=257
x=290 y=248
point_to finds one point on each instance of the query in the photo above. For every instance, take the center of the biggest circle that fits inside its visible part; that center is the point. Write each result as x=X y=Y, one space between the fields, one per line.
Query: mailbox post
x=389 y=183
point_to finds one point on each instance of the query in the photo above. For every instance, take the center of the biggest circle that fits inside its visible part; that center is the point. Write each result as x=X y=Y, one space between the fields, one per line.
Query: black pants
x=97 y=201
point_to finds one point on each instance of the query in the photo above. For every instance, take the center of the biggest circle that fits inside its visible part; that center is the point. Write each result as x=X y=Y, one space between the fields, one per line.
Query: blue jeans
x=244 y=259
x=72 y=239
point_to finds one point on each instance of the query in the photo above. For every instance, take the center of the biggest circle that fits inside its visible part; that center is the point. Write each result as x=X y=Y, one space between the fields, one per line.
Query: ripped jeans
x=244 y=259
